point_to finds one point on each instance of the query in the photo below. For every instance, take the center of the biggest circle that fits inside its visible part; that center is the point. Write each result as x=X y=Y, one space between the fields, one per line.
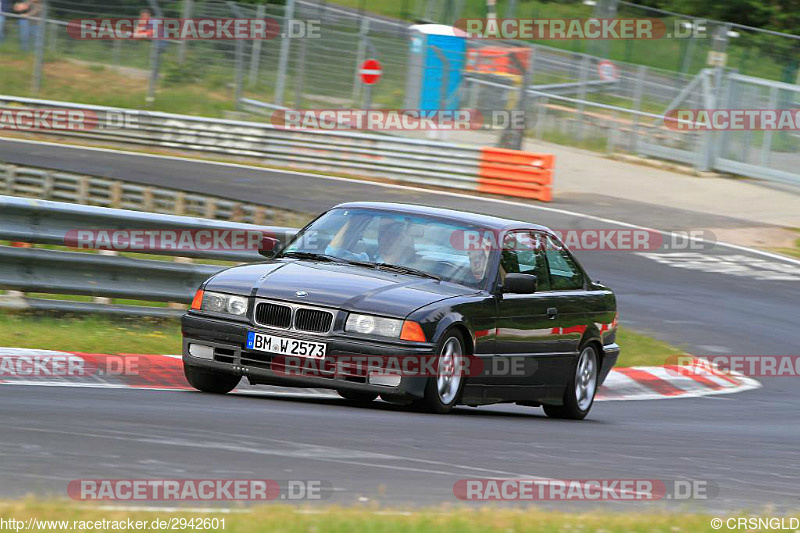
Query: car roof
x=487 y=221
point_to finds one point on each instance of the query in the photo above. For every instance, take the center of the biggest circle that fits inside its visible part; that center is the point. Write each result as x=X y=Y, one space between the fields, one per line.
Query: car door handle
x=552 y=312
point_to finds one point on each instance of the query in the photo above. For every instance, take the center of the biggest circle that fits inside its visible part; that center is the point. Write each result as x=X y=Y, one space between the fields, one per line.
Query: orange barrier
x=516 y=173
x=497 y=60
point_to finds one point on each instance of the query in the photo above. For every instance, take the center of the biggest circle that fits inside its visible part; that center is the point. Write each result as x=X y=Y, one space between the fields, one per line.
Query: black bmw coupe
x=421 y=306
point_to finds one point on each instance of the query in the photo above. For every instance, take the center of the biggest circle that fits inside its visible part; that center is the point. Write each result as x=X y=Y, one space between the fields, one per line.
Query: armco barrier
x=345 y=152
x=48 y=184
x=515 y=173
x=41 y=270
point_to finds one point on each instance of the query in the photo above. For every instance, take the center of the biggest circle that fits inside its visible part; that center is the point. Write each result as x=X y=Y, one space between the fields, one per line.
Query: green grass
x=318 y=519
x=67 y=81
x=638 y=349
x=117 y=335
x=91 y=334
x=792 y=252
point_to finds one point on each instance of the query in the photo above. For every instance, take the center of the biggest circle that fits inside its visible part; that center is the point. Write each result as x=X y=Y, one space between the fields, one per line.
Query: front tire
x=580 y=393
x=210 y=381
x=443 y=390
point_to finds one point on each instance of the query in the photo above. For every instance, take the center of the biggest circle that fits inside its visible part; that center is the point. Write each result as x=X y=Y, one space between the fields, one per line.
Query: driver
x=394 y=246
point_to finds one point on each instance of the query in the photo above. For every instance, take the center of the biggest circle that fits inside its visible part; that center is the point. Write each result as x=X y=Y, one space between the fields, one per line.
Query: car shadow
x=490 y=412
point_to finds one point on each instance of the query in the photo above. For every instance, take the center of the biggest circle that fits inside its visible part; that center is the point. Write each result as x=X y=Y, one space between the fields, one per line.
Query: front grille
x=313 y=320
x=269 y=314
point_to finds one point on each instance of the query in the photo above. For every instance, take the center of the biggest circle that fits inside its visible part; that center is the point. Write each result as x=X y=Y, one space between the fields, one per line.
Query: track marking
x=416 y=189
x=732 y=265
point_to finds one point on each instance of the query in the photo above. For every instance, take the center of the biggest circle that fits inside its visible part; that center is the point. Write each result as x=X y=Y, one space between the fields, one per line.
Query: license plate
x=285 y=346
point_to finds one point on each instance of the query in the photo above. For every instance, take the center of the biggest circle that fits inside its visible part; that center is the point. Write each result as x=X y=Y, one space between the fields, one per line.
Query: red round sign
x=607 y=70
x=370 y=71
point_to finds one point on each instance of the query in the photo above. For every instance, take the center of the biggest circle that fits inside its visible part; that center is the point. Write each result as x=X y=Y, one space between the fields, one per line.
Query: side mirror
x=269 y=247
x=520 y=283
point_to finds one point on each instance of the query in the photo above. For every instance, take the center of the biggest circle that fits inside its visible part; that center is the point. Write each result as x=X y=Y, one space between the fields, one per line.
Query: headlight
x=217 y=302
x=374 y=325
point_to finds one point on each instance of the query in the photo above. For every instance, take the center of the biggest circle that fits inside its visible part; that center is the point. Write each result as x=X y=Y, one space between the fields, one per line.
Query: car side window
x=564 y=273
x=523 y=253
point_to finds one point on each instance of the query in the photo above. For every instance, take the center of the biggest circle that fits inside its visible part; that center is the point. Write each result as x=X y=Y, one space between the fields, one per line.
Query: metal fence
x=60 y=271
x=49 y=184
x=572 y=101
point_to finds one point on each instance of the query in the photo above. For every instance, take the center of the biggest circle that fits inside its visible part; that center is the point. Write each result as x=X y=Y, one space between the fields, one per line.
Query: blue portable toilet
x=437 y=57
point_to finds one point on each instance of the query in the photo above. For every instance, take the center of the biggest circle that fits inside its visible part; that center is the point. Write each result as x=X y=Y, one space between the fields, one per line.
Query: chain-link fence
x=608 y=95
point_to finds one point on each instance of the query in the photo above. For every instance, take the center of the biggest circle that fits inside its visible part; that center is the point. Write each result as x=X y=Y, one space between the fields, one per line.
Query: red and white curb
x=672 y=381
x=23 y=366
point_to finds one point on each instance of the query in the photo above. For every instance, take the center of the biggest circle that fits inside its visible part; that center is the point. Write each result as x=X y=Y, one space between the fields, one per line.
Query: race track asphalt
x=745 y=443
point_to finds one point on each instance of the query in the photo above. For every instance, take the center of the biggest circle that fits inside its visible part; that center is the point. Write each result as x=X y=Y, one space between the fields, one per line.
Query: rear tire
x=443 y=391
x=357 y=396
x=580 y=393
x=210 y=381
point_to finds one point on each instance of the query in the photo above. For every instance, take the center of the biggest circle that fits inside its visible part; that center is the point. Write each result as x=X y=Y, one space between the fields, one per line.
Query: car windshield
x=412 y=244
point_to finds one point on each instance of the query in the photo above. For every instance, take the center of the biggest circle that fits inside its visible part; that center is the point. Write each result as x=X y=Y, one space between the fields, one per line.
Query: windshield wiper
x=314 y=256
x=380 y=266
x=406 y=270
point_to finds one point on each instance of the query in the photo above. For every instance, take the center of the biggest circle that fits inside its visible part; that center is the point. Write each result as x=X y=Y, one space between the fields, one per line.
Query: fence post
x=641 y=72
x=116 y=48
x=584 y=77
x=283 y=59
x=300 y=74
x=612 y=133
x=155 y=56
x=41 y=29
x=766 y=141
x=541 y=116
x=239 y=73
x=514 y=138
x=255 y=52
x=187 y=14
x=511 y=9
x=52 y=41
x=360 y=57
x=443 y=97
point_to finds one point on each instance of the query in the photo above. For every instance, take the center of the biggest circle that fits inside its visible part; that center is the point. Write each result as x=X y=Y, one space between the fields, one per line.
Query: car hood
x=343 y=286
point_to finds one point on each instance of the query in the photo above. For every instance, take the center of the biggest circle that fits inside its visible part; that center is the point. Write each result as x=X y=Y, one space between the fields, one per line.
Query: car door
x=569 y=297
x=528 y=327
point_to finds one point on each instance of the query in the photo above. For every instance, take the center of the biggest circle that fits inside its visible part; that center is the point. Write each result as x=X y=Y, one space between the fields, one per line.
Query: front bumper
x=228 y=340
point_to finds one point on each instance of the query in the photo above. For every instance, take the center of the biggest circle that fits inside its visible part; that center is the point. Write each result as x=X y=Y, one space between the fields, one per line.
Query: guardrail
x=345 y=152
x=48 y=271
x=48 y=184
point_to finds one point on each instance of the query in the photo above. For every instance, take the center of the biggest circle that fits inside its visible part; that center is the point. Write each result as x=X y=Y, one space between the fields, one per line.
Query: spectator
x=28 y=22
x=5 y=7
x=144 y=28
